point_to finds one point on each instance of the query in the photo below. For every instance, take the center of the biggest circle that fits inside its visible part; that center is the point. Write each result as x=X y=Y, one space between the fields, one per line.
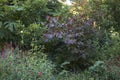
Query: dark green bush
x=114 y=11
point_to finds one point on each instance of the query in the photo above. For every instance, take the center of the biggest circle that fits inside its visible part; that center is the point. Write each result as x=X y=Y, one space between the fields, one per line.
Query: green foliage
x=75 y=76
x=19 y=15
x=110 y=48
x=104 y=71
x=106 y=13
x=80 y=35
x=114 y=11
x=98 y=70
x=32 y=35
x=33 y=68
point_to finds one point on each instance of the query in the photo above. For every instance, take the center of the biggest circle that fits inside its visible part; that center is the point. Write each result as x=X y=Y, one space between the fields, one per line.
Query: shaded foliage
x=70 y=41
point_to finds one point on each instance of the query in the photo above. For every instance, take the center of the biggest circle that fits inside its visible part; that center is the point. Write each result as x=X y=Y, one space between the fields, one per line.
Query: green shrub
x=114 y=11
x=110 y=48
x=105 y=70
x=19 y=16
x=99 y=70
x=14 y=67
x=75 y=76
x=32 y=35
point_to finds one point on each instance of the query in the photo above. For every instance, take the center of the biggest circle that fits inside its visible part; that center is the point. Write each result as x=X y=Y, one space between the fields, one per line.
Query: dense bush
x=114 y=11
x=18 y=16
x=15 y=67
x=110 y=49
x=31 y=35
x=99 y=71
x=76 y=36
x=106 y=13
x=105 y=70
x=70 y=41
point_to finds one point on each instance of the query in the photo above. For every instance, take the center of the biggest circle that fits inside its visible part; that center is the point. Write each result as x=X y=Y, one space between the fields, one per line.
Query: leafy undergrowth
x=34 y=65
x=99 y=71
x=15 y=67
